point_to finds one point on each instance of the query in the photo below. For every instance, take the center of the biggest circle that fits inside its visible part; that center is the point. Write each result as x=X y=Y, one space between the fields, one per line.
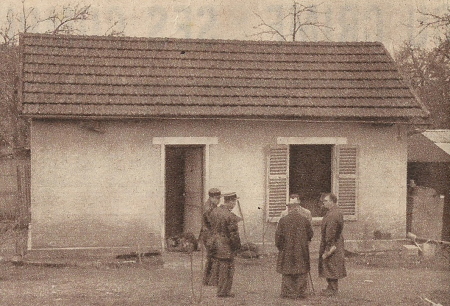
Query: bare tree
x=64 y=18
x=301 y=17
x=23 y=21
x=28 y=19
x=9 y=36
x=430 y=20
x=428 y=69
x=441 y=26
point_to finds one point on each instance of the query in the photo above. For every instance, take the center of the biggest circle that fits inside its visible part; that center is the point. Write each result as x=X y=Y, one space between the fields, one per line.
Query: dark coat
x=292 y=237
x=205 y=231
x=225 y=240
x=331 y=230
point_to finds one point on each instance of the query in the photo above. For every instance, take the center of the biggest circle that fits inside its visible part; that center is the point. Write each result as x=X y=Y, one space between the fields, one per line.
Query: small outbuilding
x=428 y=213
x=128 y=134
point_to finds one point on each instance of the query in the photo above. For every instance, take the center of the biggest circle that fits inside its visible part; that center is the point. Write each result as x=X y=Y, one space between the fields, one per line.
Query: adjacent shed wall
x=103 y=188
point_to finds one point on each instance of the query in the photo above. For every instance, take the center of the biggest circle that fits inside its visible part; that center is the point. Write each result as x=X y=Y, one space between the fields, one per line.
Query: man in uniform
x=225 y=243
x=292 y=237
x=331 y=251
x=205 y=232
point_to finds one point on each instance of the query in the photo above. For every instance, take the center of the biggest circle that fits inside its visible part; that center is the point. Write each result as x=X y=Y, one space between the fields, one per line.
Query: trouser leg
x=226 y=273
x=207 y=271
x=302 y=284
x=289 y=285
x=332 y=284
x=214 y=273
x=294 y=285
x=286 y=285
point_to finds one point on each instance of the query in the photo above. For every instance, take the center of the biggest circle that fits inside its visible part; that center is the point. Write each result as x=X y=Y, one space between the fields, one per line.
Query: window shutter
x=277 y=181
x=346 y=187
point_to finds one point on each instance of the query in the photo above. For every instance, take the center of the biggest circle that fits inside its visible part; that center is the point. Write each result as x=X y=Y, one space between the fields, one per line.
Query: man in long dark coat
x=331 y=251
x=205 y=232
x=225 y=242
x=292 y=237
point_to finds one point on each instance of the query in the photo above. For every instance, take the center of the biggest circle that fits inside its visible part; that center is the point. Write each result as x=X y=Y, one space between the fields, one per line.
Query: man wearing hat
x=226 y=241
x=292 y=237
x=205 y=232
x=304 y=211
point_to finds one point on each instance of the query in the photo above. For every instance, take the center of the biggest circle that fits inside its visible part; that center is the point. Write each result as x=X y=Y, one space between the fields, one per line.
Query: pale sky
x=388 y=21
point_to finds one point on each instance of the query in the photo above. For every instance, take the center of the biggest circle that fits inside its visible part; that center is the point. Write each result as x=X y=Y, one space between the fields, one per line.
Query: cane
x=243 y=227
x=311 y=281
x=243 y=222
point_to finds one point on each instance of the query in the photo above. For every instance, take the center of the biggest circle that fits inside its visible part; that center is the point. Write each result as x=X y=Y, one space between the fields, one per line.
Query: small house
x=128 y=135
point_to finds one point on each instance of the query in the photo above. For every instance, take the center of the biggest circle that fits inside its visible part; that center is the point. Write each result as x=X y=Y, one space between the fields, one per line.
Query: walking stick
x=194 y=298
x=311 y=281
x=192 y=277
x=243 y=222
x=243 y=227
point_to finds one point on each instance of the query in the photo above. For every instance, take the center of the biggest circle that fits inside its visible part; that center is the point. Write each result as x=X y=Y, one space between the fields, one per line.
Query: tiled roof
x=161 y=77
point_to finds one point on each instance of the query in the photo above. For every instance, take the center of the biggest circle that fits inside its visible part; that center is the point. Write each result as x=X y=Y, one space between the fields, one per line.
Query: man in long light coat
x=292 y=237
x=331 y=251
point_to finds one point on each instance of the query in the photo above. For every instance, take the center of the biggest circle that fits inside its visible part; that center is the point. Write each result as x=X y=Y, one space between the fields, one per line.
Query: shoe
x=293 y=297
x=328 y=292
x=229 y=295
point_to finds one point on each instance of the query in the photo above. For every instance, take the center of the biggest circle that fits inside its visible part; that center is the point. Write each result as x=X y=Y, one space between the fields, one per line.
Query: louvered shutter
x=277 y=180
x=346 y=186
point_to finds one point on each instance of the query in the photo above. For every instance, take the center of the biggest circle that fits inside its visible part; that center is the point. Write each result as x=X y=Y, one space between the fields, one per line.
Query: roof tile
x=147 y=77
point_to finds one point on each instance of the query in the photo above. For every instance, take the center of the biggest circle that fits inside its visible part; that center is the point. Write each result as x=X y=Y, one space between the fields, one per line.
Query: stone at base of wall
x=91 y=256
x=410 y=250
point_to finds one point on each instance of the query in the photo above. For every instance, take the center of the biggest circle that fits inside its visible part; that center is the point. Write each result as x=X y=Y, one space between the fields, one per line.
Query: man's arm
x=332 y=229
x=279 y=238
x=310 y=231
x=235 y=239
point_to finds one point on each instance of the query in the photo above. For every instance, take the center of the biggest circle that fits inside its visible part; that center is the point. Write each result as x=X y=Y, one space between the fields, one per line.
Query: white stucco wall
x=92 y=189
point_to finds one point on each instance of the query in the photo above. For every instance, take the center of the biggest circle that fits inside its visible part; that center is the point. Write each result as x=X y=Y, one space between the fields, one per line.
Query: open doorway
x=310 y=174
x=184 y=189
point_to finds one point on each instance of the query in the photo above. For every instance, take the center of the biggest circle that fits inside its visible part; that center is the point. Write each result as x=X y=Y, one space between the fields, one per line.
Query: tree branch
x=434 y=21
x=299 y=22
x=64 y=18
x=111 y=31
x=272 y=30
x=6 y=31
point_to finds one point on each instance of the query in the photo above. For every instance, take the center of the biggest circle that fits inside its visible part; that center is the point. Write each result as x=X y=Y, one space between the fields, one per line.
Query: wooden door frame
x=163 y=142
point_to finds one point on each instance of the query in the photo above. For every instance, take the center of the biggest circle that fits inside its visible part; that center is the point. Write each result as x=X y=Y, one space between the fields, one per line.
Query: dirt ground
x=373 y=279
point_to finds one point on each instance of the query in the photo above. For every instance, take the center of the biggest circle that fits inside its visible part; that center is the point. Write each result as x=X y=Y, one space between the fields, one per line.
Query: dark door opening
x=184 y=190
x=433 y=175
x=310 y=174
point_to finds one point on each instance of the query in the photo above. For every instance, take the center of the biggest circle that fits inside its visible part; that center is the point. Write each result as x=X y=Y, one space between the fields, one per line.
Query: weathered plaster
x=105 y=189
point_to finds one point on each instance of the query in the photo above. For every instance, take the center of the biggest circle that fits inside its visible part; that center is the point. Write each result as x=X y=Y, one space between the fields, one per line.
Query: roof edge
x=427 y=113
x=262 y=118
x=197 y=40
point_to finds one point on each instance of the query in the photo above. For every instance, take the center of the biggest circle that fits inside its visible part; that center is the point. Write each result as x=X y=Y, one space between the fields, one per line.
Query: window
x=309 y=167
x=310 y=174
